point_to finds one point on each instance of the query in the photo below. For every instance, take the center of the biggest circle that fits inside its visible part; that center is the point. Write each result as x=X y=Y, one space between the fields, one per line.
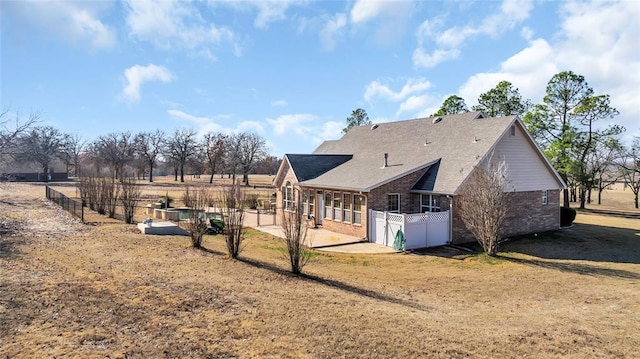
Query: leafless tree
x=197 y=163
x=251 y=149
x=11 y=130
x=41 y=145
x=117 y=150
x=215 y=146
x=110 y=194
x=74 y=147
x=148 y=146
x=233 y=212
x=295 y=233
x=129 y=195
x=180 y=147
x=629 y=164
x=484 y=204
x=198 y=199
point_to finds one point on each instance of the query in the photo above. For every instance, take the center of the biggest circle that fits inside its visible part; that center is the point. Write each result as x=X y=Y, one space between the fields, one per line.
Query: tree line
x=122 y=154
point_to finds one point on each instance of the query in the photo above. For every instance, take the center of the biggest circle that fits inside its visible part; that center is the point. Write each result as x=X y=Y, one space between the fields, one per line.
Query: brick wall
x=527 y=215
x=409 y=202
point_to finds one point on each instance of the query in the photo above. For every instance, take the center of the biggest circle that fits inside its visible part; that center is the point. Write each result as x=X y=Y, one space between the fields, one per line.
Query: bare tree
x=484 y=204
x=214 y=144
x=129 y=195
x=117 y=150
x=74 y=147
x=629 y=163
x=41 y=145
x=11 y=130
x=251 y=149
x=233 y=212
x=198 y=200
x=295 y=234
x=149 y=145
x=180 y=147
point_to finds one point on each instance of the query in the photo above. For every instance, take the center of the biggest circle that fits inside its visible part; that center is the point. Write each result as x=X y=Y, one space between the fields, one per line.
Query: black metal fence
x=70 y=205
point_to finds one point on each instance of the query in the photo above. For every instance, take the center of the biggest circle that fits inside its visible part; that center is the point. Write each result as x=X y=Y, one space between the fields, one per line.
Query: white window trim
x=398 y=196
x=429 y=206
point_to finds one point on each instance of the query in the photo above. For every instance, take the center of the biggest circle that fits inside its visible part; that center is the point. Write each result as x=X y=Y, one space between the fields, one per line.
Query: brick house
x=419 y=166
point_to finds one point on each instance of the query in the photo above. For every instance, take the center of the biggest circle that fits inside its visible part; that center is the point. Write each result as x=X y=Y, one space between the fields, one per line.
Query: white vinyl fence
x=418 y=230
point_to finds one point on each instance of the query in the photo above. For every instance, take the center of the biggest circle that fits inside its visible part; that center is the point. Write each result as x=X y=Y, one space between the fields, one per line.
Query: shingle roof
x=307 y=167
x=458 y=141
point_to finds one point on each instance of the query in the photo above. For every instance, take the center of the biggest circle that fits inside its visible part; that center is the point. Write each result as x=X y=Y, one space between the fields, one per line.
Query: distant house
x=11 y=170
x=372 y=175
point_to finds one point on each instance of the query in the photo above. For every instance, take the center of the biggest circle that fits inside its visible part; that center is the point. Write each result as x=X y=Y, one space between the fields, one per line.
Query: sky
x=293 y=71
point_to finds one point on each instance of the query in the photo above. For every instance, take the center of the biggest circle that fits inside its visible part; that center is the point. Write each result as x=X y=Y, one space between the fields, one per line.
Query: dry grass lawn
x=103 y=290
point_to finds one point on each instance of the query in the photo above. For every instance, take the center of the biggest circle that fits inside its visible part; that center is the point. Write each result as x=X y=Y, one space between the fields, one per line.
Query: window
x=393 y=202
x=346 y=207
x=327 y=205
x=357 y=208
x=545 y=197
x=312 y=204
x=337 y=208
x=305 y=202
x=289 y=201
x=512 y=131
x=429 y=203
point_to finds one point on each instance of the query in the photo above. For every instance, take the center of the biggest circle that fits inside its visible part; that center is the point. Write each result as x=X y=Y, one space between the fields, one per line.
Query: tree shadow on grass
x=336 y=284
x=586 y=242
x=577 y=268
x=9 y=246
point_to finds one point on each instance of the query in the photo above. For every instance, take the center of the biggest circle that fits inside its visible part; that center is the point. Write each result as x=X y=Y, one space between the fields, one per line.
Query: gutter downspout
x=450 y=219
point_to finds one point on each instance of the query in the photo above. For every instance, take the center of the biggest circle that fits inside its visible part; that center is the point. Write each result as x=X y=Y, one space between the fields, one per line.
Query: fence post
x=258 y=217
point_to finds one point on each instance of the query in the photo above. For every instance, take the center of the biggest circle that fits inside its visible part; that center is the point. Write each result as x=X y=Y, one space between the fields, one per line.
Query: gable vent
x=437 y=119
x=374 y=126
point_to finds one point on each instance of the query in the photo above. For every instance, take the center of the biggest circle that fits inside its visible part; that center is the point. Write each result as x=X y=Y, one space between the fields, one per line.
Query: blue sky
x=292 y=71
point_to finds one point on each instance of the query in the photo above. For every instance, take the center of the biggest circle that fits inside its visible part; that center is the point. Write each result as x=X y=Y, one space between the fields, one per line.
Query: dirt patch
x=102 y=290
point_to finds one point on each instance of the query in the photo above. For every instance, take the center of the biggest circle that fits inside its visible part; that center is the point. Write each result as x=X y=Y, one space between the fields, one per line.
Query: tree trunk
x=175 y=174
x=45 y=169
x=181 y=173
x=589 y=196
x=245 y=179
x=211 y=179
x=600 y=195
x=565 y=195
x=583 y=195
x=636 y=200
x=150 y=173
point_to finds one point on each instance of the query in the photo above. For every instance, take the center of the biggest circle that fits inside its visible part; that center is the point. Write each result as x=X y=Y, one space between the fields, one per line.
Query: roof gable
x=307 y=167
x=427 y=182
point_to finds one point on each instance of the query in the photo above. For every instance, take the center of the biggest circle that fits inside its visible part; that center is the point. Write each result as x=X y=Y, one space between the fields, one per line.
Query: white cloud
x=279 y=103
x=211 y=124
x=331 y=130
x=332 y=30
x=415 y=104
x=376 y=89
x=296 y=123
x=269 y=11
x=365 y=10
x=448 y=41
x=175 y=24
x=424 y=59
x=137 y=75
x=76 y=22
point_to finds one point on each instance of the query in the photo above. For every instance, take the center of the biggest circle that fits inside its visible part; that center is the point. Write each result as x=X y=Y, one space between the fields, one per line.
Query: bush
x=567 y=215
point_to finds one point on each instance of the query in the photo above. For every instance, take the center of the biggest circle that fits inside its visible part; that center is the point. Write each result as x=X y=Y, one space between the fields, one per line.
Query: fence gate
x=419 y=230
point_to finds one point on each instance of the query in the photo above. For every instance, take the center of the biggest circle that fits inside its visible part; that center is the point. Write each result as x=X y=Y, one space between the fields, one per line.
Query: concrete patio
x=317 y=238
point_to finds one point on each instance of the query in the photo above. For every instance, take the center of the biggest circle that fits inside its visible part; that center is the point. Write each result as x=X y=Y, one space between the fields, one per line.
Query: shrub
x=567 y=215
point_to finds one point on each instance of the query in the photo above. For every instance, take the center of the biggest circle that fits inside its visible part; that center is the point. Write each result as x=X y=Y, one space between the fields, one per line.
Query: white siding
x=527 y=171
